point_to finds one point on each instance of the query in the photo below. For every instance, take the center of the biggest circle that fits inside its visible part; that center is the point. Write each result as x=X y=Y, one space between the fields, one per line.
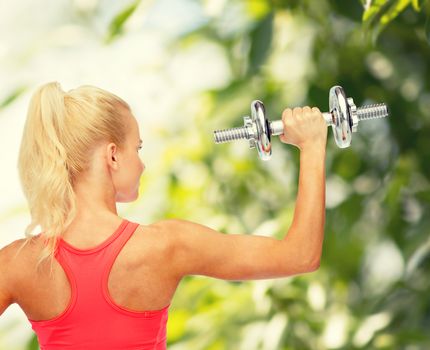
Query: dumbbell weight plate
x=263 y=142
x=339 y=110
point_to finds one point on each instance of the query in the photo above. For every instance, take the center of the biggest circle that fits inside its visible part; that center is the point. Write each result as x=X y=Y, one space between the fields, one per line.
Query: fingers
x=300 y=113
x=297 y=111
x=287 y=114
x=307 y=110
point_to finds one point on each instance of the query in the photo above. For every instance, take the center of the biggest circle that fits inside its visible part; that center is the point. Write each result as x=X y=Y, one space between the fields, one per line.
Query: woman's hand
x=304 y=127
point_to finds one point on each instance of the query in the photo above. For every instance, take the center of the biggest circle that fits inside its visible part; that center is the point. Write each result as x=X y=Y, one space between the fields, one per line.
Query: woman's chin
x=129 y=198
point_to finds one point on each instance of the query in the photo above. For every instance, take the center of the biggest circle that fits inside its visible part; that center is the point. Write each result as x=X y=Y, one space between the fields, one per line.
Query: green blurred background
x=190 y=67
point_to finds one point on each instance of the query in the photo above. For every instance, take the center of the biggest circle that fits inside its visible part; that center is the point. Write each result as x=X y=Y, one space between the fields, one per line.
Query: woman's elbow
x=311 y=264
x=314 y=265
x=314 y=260
x=307 y=266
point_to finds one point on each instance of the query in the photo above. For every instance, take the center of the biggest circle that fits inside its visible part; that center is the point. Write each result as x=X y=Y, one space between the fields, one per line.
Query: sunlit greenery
x=371 y=291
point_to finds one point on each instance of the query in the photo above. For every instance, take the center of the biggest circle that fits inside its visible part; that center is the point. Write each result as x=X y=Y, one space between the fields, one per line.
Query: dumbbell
x=343 y=118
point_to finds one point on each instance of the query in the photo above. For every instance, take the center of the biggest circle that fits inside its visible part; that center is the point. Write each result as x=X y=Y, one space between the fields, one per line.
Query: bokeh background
x=188 y=67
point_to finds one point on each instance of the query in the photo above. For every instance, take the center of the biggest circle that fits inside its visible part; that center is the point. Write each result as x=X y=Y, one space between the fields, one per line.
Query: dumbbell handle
x=366 y=112
x=277 y=126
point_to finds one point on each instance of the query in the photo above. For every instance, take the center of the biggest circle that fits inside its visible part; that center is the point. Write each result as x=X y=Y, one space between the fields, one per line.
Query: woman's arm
x=199 y=250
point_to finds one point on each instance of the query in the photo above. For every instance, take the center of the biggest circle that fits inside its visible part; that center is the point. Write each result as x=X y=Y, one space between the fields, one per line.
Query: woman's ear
x=112 y=154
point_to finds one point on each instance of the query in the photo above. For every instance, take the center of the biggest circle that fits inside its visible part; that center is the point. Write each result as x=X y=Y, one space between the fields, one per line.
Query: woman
x=94 y=280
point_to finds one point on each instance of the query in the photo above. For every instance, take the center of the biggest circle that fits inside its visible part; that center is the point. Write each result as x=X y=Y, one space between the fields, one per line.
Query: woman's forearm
x=307 y=229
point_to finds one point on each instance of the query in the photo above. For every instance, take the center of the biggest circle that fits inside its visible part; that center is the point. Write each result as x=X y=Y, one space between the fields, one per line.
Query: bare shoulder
x=13 y=258
x=154 y=240
x=176 y=225
x=180 y=235
x=165 y=225
x=7 y=273
x=163 y=231
x=11 y=250
x=171 y=231
x=17 y=253
x=5 y=253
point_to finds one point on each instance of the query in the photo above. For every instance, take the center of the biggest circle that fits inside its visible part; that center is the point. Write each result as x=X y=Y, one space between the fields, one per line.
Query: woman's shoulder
x=155 y=232
x=15 y=258
x=156 y=239
x=17 y=245
x=20 y=250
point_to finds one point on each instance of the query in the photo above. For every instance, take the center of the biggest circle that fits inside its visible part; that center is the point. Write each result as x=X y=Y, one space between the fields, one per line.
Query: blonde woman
x=94 y=280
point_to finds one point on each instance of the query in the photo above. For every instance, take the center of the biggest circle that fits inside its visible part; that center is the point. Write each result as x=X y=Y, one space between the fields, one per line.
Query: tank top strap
x=118 y=243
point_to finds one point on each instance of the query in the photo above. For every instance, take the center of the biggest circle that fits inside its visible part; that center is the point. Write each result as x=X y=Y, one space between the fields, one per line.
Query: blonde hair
x=60 y=133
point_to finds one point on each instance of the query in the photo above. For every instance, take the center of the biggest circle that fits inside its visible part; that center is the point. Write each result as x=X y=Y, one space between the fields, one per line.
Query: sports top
x=92 y=320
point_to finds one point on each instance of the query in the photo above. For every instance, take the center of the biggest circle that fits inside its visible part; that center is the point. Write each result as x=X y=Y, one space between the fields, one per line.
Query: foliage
x=355 y=300
x=379 y=13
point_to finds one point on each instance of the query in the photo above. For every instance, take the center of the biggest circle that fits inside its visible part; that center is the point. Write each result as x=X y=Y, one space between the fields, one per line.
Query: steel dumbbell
x=343 y=118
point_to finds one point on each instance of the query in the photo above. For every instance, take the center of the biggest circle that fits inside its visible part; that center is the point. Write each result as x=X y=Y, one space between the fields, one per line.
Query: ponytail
x=60 y=133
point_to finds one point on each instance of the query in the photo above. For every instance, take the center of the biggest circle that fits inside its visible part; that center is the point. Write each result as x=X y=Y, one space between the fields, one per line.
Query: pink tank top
x=92 y=320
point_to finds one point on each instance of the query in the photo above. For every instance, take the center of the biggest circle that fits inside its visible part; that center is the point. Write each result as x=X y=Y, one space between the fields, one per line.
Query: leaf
x=416 y=5
x=394 y=11
x=374 y=9
x=12 y=96
x=117 y=24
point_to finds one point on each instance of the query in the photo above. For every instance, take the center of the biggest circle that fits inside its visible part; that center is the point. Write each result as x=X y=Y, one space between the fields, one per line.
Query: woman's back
x=125 y=273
